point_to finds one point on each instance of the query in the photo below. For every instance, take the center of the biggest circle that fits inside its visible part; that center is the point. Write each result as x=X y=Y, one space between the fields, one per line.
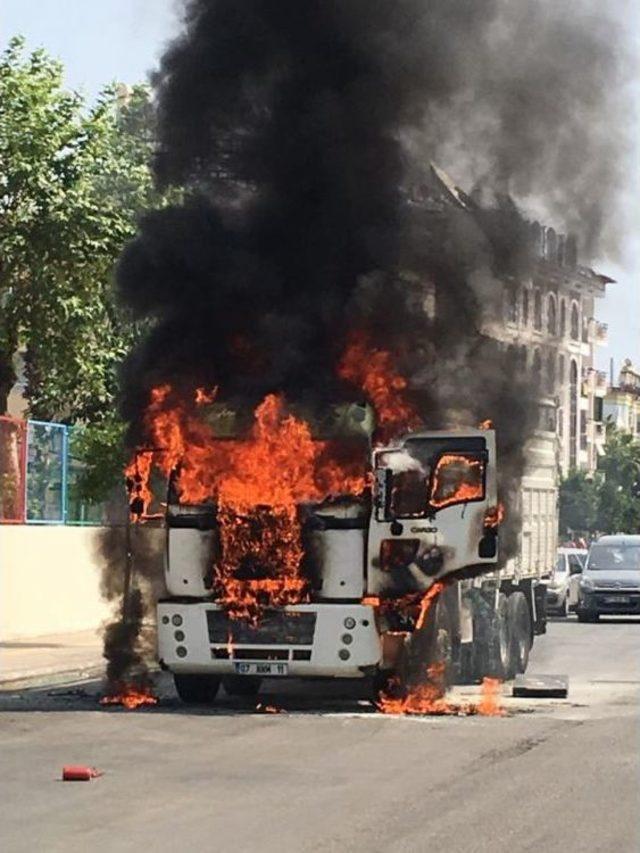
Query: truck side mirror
x=575 y=569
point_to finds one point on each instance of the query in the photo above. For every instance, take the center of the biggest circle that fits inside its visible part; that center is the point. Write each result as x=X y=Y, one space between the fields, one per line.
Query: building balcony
x=597 y=332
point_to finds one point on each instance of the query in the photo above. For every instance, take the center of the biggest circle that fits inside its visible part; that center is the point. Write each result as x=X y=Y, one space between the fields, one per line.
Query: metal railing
x=40 y=476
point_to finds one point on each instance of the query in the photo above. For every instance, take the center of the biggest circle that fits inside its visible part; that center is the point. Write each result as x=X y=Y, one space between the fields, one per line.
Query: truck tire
x=519 y=621
x=241 y=685
x=196 y=689
x=431 y=646
x=493 y=651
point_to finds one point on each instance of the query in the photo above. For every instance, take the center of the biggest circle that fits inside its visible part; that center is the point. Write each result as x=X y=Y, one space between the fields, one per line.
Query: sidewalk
x=51 y=659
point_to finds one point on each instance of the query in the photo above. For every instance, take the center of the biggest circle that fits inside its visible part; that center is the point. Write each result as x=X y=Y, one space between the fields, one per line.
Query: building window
x=551 y=315
x=512 y=306
x=561 y=371
x=560 y=422
x=537 y=367
x=583 y=430
x=537 y=310
x=575 y=322
x=573 y=415
x=551 y=373
x=563 y=318
x=525 y=307
x=597 y=409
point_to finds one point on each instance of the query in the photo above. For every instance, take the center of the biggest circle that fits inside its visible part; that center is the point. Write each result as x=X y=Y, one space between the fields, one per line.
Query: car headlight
x=586 y=583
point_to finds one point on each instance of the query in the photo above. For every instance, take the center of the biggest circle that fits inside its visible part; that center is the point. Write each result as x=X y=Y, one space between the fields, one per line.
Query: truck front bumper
x=305 y=640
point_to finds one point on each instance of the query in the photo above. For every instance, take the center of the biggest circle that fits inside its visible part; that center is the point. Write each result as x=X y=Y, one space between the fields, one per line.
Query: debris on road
x=79 y=773
x=541 y=686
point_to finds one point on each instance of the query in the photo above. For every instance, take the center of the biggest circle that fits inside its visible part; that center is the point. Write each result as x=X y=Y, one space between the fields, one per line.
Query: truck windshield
x=611 y=557
x=429 y=474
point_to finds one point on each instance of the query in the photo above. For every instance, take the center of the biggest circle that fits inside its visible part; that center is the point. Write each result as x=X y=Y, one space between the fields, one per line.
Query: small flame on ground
x=428 y=699
x=486 y=424
x=489 y=705
x=130 y=697
x=269 y=709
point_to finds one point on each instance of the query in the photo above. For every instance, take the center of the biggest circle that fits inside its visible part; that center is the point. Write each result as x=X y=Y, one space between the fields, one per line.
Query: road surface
x=334 y=776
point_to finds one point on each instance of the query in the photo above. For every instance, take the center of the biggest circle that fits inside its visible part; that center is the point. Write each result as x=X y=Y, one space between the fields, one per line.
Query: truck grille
x=276 y=628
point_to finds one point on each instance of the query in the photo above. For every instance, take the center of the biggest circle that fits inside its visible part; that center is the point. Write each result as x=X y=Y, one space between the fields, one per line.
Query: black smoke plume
x=299 y=130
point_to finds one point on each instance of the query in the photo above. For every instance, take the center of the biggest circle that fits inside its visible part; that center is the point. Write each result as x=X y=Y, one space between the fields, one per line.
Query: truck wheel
x=503 y=661
x=431 y=646
x=241 y=685
x=196 y=689
x=494 y=657
x=519 y=621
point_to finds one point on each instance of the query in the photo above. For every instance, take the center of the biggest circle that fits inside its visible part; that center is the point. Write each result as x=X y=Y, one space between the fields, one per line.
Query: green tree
x=579 y=502
x=618 y=506
x=74 y=180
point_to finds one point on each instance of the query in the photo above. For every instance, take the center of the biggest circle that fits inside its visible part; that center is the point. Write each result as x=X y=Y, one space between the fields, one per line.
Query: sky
x=100 y=41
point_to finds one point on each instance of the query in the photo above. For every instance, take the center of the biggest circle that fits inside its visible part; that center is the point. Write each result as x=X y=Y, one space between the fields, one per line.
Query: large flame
x=372 y=370
x=258 y=484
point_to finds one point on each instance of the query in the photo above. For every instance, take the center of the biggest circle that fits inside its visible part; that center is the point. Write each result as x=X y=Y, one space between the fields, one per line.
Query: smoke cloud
x=299 y=130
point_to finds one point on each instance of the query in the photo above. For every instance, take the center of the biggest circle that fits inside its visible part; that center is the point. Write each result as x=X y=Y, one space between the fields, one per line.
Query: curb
x=51 y=678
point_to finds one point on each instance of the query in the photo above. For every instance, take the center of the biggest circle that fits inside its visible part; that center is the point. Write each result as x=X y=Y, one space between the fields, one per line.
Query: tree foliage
x=610 y=501
x=73 y=182
x=578 y=503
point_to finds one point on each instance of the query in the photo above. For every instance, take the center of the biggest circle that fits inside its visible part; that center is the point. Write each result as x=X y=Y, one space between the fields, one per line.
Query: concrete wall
x=49 y=580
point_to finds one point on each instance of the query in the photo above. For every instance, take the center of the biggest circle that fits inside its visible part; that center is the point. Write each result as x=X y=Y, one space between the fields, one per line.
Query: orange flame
x=428 y=697
x=372 y=370
x=486 y=424
x=457 y=478
x=257 y=484
x=489 y=705
x=137 y=476
x=130 y=697
x=495 y=515
x=204 y=397
x=269 y=709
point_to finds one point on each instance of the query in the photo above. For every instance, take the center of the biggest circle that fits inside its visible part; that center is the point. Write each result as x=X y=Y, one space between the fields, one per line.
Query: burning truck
x=370 y=553
x=303 y=266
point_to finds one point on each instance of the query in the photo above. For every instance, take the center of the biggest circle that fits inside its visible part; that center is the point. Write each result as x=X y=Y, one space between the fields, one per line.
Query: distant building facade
x=622 y=401
x=549 y=323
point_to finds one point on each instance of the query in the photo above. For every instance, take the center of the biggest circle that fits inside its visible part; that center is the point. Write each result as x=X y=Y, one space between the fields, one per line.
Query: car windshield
x=614 y=557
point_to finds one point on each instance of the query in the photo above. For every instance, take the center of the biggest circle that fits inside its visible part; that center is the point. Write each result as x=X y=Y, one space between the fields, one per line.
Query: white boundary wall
x=49 y=580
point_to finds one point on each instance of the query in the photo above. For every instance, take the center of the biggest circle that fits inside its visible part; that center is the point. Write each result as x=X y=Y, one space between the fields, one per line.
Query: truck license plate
x=617 y=599
x=264 y=669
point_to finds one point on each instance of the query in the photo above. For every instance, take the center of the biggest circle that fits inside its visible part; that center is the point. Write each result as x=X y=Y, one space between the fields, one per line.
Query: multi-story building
x=622 y=401
x=548 y=322
x=550 y=318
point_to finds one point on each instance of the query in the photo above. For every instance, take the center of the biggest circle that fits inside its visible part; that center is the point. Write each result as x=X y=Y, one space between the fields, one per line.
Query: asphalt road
x=332 y=775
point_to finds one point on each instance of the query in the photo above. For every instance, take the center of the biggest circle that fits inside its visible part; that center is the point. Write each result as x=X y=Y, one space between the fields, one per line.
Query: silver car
x=569 y=562
x=610 y=582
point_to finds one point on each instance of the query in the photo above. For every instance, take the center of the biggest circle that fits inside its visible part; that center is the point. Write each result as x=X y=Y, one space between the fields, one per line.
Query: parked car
x=610 y=581
x=569 y=562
